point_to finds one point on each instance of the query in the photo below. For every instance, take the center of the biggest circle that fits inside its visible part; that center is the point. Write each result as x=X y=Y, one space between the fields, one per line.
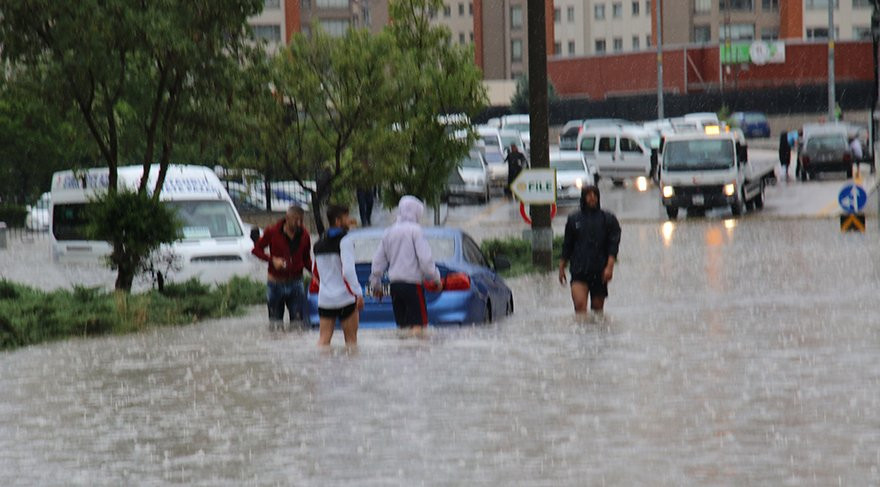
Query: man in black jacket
x=592 y=238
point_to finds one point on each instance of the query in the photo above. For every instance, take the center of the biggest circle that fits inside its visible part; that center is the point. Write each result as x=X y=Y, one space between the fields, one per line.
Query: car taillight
x=314 y=286
x=805 y=160
x=456 y=281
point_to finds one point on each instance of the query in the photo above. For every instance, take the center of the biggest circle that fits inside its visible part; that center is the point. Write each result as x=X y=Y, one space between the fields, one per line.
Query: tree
x=519 y=103
x=139 y=73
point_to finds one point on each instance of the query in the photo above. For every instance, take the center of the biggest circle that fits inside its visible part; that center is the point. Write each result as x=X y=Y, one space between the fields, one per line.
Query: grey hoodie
x=404 y=250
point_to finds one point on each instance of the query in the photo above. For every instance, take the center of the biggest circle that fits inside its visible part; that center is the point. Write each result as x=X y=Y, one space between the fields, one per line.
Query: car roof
x=701 y=136
x=562 y=154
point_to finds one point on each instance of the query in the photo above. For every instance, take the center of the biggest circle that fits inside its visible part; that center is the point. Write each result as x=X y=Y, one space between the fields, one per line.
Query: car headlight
x=579 y=183
x=668 y=192
x=730 y=189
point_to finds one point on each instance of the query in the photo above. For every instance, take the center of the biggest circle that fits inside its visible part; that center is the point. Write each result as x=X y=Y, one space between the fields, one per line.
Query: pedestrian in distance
x=590 y=245
x=784 y=153
x=516 y=161
x=406 y=255
x=366 y=196
x=289 y=246
x=339 y=294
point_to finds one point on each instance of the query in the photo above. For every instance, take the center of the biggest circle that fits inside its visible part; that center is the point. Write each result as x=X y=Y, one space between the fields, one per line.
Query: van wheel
x=737 y=207
x=672 y=212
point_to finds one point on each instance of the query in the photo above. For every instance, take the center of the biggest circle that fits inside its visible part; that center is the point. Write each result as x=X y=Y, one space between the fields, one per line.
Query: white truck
x=706 y=170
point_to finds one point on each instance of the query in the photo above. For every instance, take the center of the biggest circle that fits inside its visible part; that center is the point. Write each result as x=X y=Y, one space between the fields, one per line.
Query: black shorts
x=408 y=302
x=341 y=313
x=593 y=280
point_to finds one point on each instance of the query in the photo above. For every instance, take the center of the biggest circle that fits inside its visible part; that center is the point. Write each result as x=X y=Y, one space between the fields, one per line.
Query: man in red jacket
x=289 y=253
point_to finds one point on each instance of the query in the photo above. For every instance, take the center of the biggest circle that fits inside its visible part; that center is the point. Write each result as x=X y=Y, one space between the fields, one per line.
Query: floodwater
x=738 y=352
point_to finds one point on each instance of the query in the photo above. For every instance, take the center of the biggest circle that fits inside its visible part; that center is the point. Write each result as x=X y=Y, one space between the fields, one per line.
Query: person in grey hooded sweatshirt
x=404 y=252
x=592 y=238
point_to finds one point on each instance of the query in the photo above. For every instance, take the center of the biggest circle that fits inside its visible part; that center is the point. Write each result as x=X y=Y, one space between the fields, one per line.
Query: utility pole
x=542 y=232
x=660 y=59
x=832 y=116
x=875 y=93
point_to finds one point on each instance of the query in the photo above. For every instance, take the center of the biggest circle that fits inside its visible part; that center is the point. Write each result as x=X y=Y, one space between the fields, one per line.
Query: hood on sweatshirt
x=410 y=209
x=587 y=189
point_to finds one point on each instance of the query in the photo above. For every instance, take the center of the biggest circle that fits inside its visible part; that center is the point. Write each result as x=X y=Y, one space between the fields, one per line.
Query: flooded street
x=733 y=352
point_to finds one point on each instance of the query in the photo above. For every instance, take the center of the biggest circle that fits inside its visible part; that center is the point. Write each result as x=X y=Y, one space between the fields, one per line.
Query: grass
x=29 y=316
x=519 y=252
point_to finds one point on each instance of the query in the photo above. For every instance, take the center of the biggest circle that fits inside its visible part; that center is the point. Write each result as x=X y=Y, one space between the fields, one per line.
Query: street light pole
x=542 y=232
x=832 y=116
x=660 y=59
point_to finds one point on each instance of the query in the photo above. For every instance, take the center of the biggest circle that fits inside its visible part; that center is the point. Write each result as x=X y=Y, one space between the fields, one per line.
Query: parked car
x=497 y=168
x=37 y=218
x=510 y=137
x=470 y=178
x=617 y=152
x=473 y=292
x=572 y=174
x=520 y=123
x=824 y=147
x=753 y=124
x=490 y=137
x=570 y=131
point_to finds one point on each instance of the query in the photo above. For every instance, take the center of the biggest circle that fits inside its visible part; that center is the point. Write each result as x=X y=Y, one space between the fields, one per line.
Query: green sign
x=757 y=52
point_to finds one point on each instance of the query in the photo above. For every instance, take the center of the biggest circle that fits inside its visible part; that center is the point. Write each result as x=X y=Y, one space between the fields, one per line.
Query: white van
x=617 y=152
x=216 y=244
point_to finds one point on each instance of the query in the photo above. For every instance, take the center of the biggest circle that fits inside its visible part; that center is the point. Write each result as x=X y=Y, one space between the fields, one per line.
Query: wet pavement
x=733 y=352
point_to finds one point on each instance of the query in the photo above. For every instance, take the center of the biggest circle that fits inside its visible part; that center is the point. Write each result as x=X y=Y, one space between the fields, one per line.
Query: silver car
x=470 y=179
x=572 y=174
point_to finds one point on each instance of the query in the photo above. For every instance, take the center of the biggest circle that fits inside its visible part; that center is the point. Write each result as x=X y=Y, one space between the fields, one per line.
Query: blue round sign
x=852 y=198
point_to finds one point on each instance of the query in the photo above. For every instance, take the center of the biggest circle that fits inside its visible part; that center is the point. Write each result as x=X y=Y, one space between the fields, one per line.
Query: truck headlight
x=730 y=189
x=668 y=192
x=579 y=183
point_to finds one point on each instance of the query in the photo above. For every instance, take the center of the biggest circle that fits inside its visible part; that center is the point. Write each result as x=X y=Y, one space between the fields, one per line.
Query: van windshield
x=199 y=219
x=688 y=155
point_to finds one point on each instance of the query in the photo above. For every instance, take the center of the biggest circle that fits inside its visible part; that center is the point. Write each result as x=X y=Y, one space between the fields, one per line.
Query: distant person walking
x=405 y=253
x=784 y=153
x=516 y=161
x=339 y=292
x=590 y=245
x=366 y=197
x=289 y=247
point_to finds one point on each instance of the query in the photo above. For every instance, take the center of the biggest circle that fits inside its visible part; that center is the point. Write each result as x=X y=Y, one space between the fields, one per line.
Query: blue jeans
x=288 y=294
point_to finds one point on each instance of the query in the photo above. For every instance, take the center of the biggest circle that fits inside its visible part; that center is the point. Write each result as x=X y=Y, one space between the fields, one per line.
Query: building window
x=636 y=42
x=460 y=9
x=702 y=34
x=737 y=32
x=569 y=14
x=745 y=5
x=862 y=4
x=471 y=36
x=647 y=6
x=617 y=10
x=272 y=5
x=331 y=3
x=821 y=32
x=270 y=33
x=461 y=37
x=557 y=48
x=571 y=48
x=306 y=4
x=861 y=33
x=600 y=46
x=702 y=6
x=599 y=11
x=471 y=9
x=516 y=51
x=618 y=44
x=447 y=11
x=636 y=6
x=770 y=5
x=769 y=34
x=648 y=40
x=820 y=4
x=334 y=27
x=556 y=15
x=516 y=19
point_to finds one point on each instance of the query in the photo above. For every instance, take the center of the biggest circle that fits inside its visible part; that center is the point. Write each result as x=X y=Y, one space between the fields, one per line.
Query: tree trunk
x=125 y=277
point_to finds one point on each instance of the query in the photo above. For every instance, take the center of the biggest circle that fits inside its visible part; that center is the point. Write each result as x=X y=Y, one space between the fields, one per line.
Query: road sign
x=852 y=198
x=535 y=186
x=854 y=222
x=523 y=211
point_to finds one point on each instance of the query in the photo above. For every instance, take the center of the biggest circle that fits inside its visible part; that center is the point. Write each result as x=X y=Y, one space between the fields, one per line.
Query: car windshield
x=206 y=219
x=686 y=155
x=472 y=162
x=494 y=157
x=830 y=142
x=520 y=127
x=754 y=118
x=442 y=247
x=509 y=140
x=568 y=164
x=490 y=141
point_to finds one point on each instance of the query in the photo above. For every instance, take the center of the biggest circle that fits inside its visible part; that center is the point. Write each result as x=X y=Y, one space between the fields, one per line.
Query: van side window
x=607 y=144
x=629 y=145
x=588 y=144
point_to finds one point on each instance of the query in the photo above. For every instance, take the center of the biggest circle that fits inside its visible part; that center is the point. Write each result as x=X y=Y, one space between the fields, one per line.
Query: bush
x=13 y=215
x=519 y=252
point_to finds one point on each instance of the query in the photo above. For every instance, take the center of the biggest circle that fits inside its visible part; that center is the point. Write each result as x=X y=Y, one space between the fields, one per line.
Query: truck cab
x=709 y=169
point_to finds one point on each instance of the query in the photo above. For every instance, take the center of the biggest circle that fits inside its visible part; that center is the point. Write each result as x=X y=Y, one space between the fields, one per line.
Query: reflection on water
x=723 y=359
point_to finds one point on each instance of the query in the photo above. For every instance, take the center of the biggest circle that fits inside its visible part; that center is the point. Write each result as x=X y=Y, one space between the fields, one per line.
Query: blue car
x=753 y=124
x=472 y=292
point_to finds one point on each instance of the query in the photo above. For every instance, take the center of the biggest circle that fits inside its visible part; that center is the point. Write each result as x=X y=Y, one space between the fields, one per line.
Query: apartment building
x=271 y=24
x=596 y=27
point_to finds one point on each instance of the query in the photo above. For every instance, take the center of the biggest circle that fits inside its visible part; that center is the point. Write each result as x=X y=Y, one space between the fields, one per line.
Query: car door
x=606 y=156
x=633 y=158
x=484 y=281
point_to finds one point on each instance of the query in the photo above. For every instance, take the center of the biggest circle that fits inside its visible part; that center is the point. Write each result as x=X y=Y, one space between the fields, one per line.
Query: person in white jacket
x=404 y=252
x=339 y=293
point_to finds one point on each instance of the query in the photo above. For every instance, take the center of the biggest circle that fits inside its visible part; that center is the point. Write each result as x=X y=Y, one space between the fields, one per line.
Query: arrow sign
x=852 y=198
x=535 y=186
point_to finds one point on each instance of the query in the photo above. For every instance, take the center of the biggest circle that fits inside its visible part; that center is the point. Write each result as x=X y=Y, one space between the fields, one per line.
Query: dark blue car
x=753 y=124
x=472 y=292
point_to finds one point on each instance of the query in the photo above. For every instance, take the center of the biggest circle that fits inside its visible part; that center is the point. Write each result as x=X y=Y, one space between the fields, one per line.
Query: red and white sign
x=524 y=212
